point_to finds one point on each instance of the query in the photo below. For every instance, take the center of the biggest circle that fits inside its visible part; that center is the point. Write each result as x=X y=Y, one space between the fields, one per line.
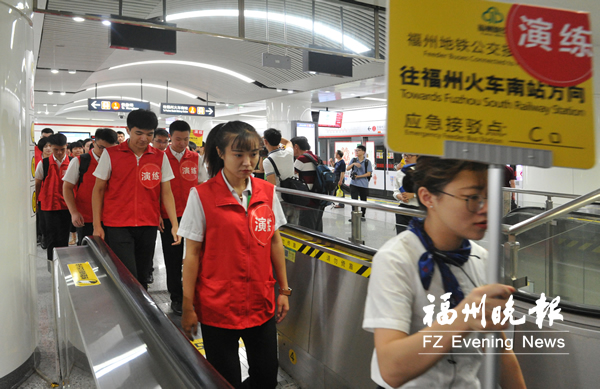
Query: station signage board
x=185 y=109
x=490 y=73
x=116 y=105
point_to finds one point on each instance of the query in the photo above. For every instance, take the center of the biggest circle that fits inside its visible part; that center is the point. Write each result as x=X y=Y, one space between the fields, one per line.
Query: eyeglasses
x=475 y=203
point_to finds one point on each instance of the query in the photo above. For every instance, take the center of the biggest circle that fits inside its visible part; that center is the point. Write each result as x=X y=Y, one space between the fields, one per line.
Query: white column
x=18 y=291
x=282 y=110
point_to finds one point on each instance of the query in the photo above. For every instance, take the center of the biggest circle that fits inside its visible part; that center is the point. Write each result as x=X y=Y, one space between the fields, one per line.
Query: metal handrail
x=541 y=193
x=355 y=203
x=545 y=217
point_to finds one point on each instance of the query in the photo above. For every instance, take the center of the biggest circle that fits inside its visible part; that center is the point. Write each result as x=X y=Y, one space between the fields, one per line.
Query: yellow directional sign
x=83 y=275
x=490 y=73
x=293 y=357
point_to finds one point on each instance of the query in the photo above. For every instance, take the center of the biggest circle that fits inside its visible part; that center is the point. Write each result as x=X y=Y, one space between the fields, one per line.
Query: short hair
x=143 y=119
x=57 y=140
x=108 y=135
x=272 y=136
x=362 y=147
x=42 y=143
x=192 y=146
x=435 y=173
x=340 y=153
x=161 y=132
x=179 y=125
x=47 y=131
x=301 y=141
x=74 y=145
x=120 y=133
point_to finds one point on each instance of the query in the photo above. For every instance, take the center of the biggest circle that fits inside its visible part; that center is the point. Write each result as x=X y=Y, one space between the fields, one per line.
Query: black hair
x=241 y=136
x=57 y=140
x=203 y=144
x=42 y=143
x=340 y=153
x=435 y=173
x=179 y=125
x=192 y=146
x=301 y=141
x=108 y=135
x=161 y=132
x=120 y=133
x=142 y=119
x=74 y=145
x=272 y=136
x=47 y=131
x=83 y=142
x=362 y=147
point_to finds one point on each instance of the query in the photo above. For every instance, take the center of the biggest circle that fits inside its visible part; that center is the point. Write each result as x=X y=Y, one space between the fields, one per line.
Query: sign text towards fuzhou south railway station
x=184 y=109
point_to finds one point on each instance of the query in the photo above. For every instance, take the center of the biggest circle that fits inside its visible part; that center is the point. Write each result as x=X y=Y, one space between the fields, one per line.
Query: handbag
x=339 y=192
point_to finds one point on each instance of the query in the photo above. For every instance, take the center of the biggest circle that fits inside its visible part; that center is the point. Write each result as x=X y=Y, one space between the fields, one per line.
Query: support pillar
x=282 y=110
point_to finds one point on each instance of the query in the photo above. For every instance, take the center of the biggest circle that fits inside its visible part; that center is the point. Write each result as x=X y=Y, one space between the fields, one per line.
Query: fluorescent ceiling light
x=290 y=20
x=50 y=93
x=106 y=23
x=75 y=107
x=188 y=63
x=103 y=120
x=78 y=118
x=372 y=98
x=78 y=19
x=54 y=71
x=290 y=91
x=72 y=71
x=137 y=84
x=254 y=116
x=63 y=93
x=279 y=89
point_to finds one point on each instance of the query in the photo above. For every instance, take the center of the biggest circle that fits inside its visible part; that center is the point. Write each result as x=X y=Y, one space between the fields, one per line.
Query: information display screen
x=330 y=119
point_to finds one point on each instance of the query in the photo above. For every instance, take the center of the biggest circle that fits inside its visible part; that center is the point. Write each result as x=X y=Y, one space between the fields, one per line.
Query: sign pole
x=494 y=265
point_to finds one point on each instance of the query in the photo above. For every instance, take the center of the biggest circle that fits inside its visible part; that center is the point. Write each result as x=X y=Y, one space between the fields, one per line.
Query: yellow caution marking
x=83 y=275
x=596 y=250
x=293 y=358
x=584 y=247
x=34 y=202
x=342 y=263
x=561 y=240
x=199 y=344
x=572 y=243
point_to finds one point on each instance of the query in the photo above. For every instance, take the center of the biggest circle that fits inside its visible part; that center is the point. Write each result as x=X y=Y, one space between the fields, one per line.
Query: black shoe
x=176 y=307
x=43 y=244
x=150 y=279
x=363 y=218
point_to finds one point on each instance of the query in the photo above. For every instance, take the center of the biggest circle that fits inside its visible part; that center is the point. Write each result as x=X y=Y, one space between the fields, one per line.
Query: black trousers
x=135 y=248
x=173 y=261
x=82 y=232
x=356 y=191
x=222 y=351
x=311 y=218
x=57 y=225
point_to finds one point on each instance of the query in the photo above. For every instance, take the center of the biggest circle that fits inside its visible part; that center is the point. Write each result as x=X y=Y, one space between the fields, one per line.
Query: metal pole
x=164 y=4
x=356 y=226
x=376 y=33
x=493 y=273
x=120 y=7
x=549 y=251
x=96 y=91
x=342 y=25
x=141 y=89
x=241 y=20
x=167 y=91
x=313 y=22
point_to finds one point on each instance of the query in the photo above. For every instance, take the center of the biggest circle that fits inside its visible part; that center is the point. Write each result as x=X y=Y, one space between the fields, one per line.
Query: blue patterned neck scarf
x=432 y=255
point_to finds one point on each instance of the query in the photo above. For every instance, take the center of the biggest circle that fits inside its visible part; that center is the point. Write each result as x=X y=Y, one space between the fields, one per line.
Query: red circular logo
x=189 y=170
x=553 y=46
x=262 y=224
x=150 y=175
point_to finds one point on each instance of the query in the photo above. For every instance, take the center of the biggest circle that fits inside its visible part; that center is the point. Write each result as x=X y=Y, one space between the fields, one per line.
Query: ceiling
x=65 y=44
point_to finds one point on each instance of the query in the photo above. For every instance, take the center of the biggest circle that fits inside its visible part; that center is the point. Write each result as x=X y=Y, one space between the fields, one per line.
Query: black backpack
x=294 y=183
x=46 y=166
x=325 y=181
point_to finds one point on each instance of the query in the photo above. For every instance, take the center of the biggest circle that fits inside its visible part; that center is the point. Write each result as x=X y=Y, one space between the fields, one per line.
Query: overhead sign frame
x=187 y=109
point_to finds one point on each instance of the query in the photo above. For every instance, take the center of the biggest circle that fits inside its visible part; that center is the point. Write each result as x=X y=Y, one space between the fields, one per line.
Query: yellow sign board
x=490 y=73
x=196 y=137
x=83 y=275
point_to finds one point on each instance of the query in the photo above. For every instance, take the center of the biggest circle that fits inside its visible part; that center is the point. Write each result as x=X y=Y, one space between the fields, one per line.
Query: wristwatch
x=285 y=292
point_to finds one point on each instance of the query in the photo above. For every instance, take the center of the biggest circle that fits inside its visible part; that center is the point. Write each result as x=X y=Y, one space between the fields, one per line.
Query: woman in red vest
x=233 y=245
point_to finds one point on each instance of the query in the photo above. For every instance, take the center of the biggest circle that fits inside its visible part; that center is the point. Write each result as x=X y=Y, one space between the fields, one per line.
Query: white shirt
x=284 y=159
x=398 y=184
x=193 y=221
x=39 y=169
x=202 y=173
x=104 y=168
x=72 y=174
x=396 y=297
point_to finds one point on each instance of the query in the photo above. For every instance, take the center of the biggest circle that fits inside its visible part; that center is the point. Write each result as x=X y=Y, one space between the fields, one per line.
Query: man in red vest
x=48 y=183
x=132 y=179
x=79 y=182
x=46 y=132
x=188 y=168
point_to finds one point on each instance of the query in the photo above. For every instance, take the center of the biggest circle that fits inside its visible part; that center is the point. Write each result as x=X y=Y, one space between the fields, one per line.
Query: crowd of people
x=218 y=200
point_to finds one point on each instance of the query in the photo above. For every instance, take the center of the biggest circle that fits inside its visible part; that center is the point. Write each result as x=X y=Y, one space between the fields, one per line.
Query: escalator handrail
x=540 y=193
x=185 y=358
x=547 y=216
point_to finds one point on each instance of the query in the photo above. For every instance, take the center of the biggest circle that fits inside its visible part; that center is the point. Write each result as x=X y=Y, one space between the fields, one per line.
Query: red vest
x=132 y=193
x=83 y=198
x=38 y=155
x=186 y=177
x=51 y=193
x=235 y=285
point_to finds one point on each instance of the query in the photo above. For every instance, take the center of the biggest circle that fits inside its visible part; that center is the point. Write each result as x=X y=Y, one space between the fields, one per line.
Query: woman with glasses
x=434 y=266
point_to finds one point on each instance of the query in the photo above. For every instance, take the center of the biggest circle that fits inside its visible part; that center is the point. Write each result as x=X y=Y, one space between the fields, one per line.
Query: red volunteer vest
x=83 y=197
x=51 y=192
x=235 y=285
x=186 y=177
x=38 y=155
x=132 y=193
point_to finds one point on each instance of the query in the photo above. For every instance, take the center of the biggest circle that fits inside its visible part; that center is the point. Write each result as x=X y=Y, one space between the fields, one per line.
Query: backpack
x=325 y=181
x=84 y=164
x=294 y=183
x=366 y=167
x=46 y=166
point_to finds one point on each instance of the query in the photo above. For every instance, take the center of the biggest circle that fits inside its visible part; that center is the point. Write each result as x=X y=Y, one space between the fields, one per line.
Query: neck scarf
x=426 y=263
